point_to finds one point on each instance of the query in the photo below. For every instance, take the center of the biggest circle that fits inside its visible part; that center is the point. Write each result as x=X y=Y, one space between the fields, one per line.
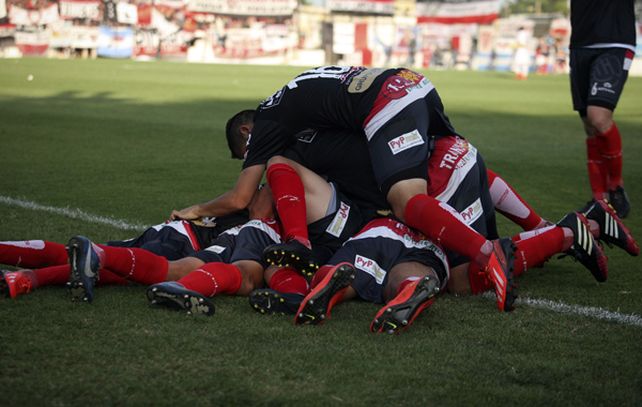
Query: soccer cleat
x=292 y=253
x=316 y=306
x=612 y=230
x=399 y=313
x=499 y=271
x=268 y=301
x=584 y=248
x=620 y=201
x=15 y=283
x=85 y=263
x=174 y=295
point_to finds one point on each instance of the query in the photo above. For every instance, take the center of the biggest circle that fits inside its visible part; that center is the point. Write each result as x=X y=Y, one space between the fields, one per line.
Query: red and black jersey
x=324 y=97
x=603 y=22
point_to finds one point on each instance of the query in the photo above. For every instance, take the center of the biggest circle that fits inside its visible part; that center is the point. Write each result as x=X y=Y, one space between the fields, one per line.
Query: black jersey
x=602 y=22
x=349 y=168
x=324 y=97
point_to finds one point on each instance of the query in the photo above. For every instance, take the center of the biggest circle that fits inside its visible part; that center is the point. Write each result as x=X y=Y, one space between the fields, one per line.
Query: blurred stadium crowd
x=437 y=34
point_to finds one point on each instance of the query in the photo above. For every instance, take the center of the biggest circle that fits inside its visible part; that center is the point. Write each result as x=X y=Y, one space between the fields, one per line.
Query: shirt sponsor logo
x=405 y=141
x=273 y=100
x=340 y=220
x=306 y=136
x=473 y=212
x=371 y=267
x=402 y=83
x=361 y=82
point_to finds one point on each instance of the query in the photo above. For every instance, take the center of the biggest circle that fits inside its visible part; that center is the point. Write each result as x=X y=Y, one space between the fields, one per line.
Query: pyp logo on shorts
x=405 y=141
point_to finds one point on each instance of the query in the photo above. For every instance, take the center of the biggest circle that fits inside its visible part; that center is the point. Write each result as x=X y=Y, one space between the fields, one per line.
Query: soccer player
x=399 y=111
x=47 y=263
x=603 y=40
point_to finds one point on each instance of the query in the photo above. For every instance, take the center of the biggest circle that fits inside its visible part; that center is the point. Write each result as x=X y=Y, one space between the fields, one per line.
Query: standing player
x=603 y=39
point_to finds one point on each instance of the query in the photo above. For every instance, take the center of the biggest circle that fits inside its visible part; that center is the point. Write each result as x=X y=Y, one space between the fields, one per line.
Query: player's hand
x=184 y=214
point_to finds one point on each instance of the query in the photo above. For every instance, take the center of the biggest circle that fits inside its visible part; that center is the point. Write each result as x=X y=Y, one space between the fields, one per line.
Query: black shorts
x=328 y=233
x=598 y=76
x=245 y=242
x=376 y=250
x=172 y=240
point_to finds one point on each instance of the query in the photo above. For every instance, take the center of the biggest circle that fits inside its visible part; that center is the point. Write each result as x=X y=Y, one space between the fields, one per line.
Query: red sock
x=595 y=164
x=109 y=278
x=537 y=249
x=54 y=275
x=214 y=278
x=32 y=253
x=442 y=226
x=510 y=204
x=288 y=280
x=289 y=198
x=135 y=264
x=610 y=147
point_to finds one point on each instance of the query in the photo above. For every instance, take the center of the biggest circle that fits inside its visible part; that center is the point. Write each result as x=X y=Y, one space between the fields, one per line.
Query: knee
x=278 y=159
x=601 y=120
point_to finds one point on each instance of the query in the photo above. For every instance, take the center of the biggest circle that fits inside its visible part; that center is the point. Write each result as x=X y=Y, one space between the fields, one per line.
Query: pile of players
x=371 y=194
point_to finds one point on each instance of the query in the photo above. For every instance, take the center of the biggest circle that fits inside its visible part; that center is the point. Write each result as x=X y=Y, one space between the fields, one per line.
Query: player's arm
x=229 y=202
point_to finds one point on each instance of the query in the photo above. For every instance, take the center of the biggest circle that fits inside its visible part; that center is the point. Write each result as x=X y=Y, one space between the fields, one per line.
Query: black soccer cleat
x=620 y=202
x=612 y=230
x=291 y=254
x=499 y=271
x=174 y=295
x=268 y=301
x=399 y=313
x=317 y=305
x=585 y=248
x=84 y=263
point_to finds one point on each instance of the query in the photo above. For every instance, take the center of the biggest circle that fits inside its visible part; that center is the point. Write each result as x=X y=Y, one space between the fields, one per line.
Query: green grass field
x=132 y=141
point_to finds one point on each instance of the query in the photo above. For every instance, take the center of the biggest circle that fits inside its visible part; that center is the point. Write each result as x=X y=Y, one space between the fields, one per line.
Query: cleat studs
x=186 y=296
x=281 y=300
x=404 y=322
x=154 y=289
x=322 y=316
x=301 y=315
x=153 y=302
x=310 y=302
x=437 y=290
x=262 y=311
x=189 y=312
x=256 y=306
x=389 y=310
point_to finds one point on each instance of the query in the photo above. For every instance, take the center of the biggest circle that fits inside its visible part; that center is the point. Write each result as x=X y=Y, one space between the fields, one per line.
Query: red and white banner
x=363 y=6
x=244 y=7
x=21 y=16
x=127 y=13
x=458 y=12
x=86 y=9
x=32 y=42
x=74 y=36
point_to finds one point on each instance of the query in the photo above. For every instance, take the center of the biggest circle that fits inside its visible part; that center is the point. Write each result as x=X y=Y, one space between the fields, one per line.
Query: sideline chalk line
x=549 y=305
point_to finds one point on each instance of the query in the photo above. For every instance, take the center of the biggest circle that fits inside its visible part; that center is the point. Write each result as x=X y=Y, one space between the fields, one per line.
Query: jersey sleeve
x=268 y=138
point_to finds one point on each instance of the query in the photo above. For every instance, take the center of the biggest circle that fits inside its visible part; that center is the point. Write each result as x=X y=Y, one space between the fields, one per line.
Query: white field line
x=73 y=213
x=560 y=307
x=568 y=309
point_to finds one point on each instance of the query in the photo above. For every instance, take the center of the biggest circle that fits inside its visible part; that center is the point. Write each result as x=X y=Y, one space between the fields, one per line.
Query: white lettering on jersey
x=371 y=267
x=264 y=227
x=340 y=220
x=405 y=141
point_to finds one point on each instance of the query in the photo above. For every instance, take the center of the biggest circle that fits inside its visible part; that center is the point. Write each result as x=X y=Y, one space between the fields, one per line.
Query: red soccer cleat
x=499 y=271
x=399 y=313
x=16 y=283
x=316 y=306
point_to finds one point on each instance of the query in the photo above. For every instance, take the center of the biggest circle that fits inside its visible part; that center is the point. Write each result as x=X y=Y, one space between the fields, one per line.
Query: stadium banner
x=243 y=7
x=82 y=9
x=44 y=16
x=126 y=13
x=7 y=30
x=3 y=8
x=458 y=11
x=363 y=6
x=74 y=37
x=144 y=14
x=147 y=44
x=32 y=42
x=115 y=42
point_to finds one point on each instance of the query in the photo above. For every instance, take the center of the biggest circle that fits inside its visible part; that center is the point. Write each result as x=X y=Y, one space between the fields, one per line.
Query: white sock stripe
x=73 y=213
x=597 y=313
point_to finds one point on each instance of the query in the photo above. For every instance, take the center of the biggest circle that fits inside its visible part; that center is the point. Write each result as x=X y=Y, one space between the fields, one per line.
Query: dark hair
x=235 y=140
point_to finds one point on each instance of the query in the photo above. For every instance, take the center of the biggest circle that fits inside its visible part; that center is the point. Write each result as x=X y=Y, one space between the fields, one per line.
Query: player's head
x=237 y=131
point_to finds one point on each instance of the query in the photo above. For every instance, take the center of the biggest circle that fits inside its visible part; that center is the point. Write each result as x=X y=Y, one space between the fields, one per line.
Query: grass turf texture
x=134 y=140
